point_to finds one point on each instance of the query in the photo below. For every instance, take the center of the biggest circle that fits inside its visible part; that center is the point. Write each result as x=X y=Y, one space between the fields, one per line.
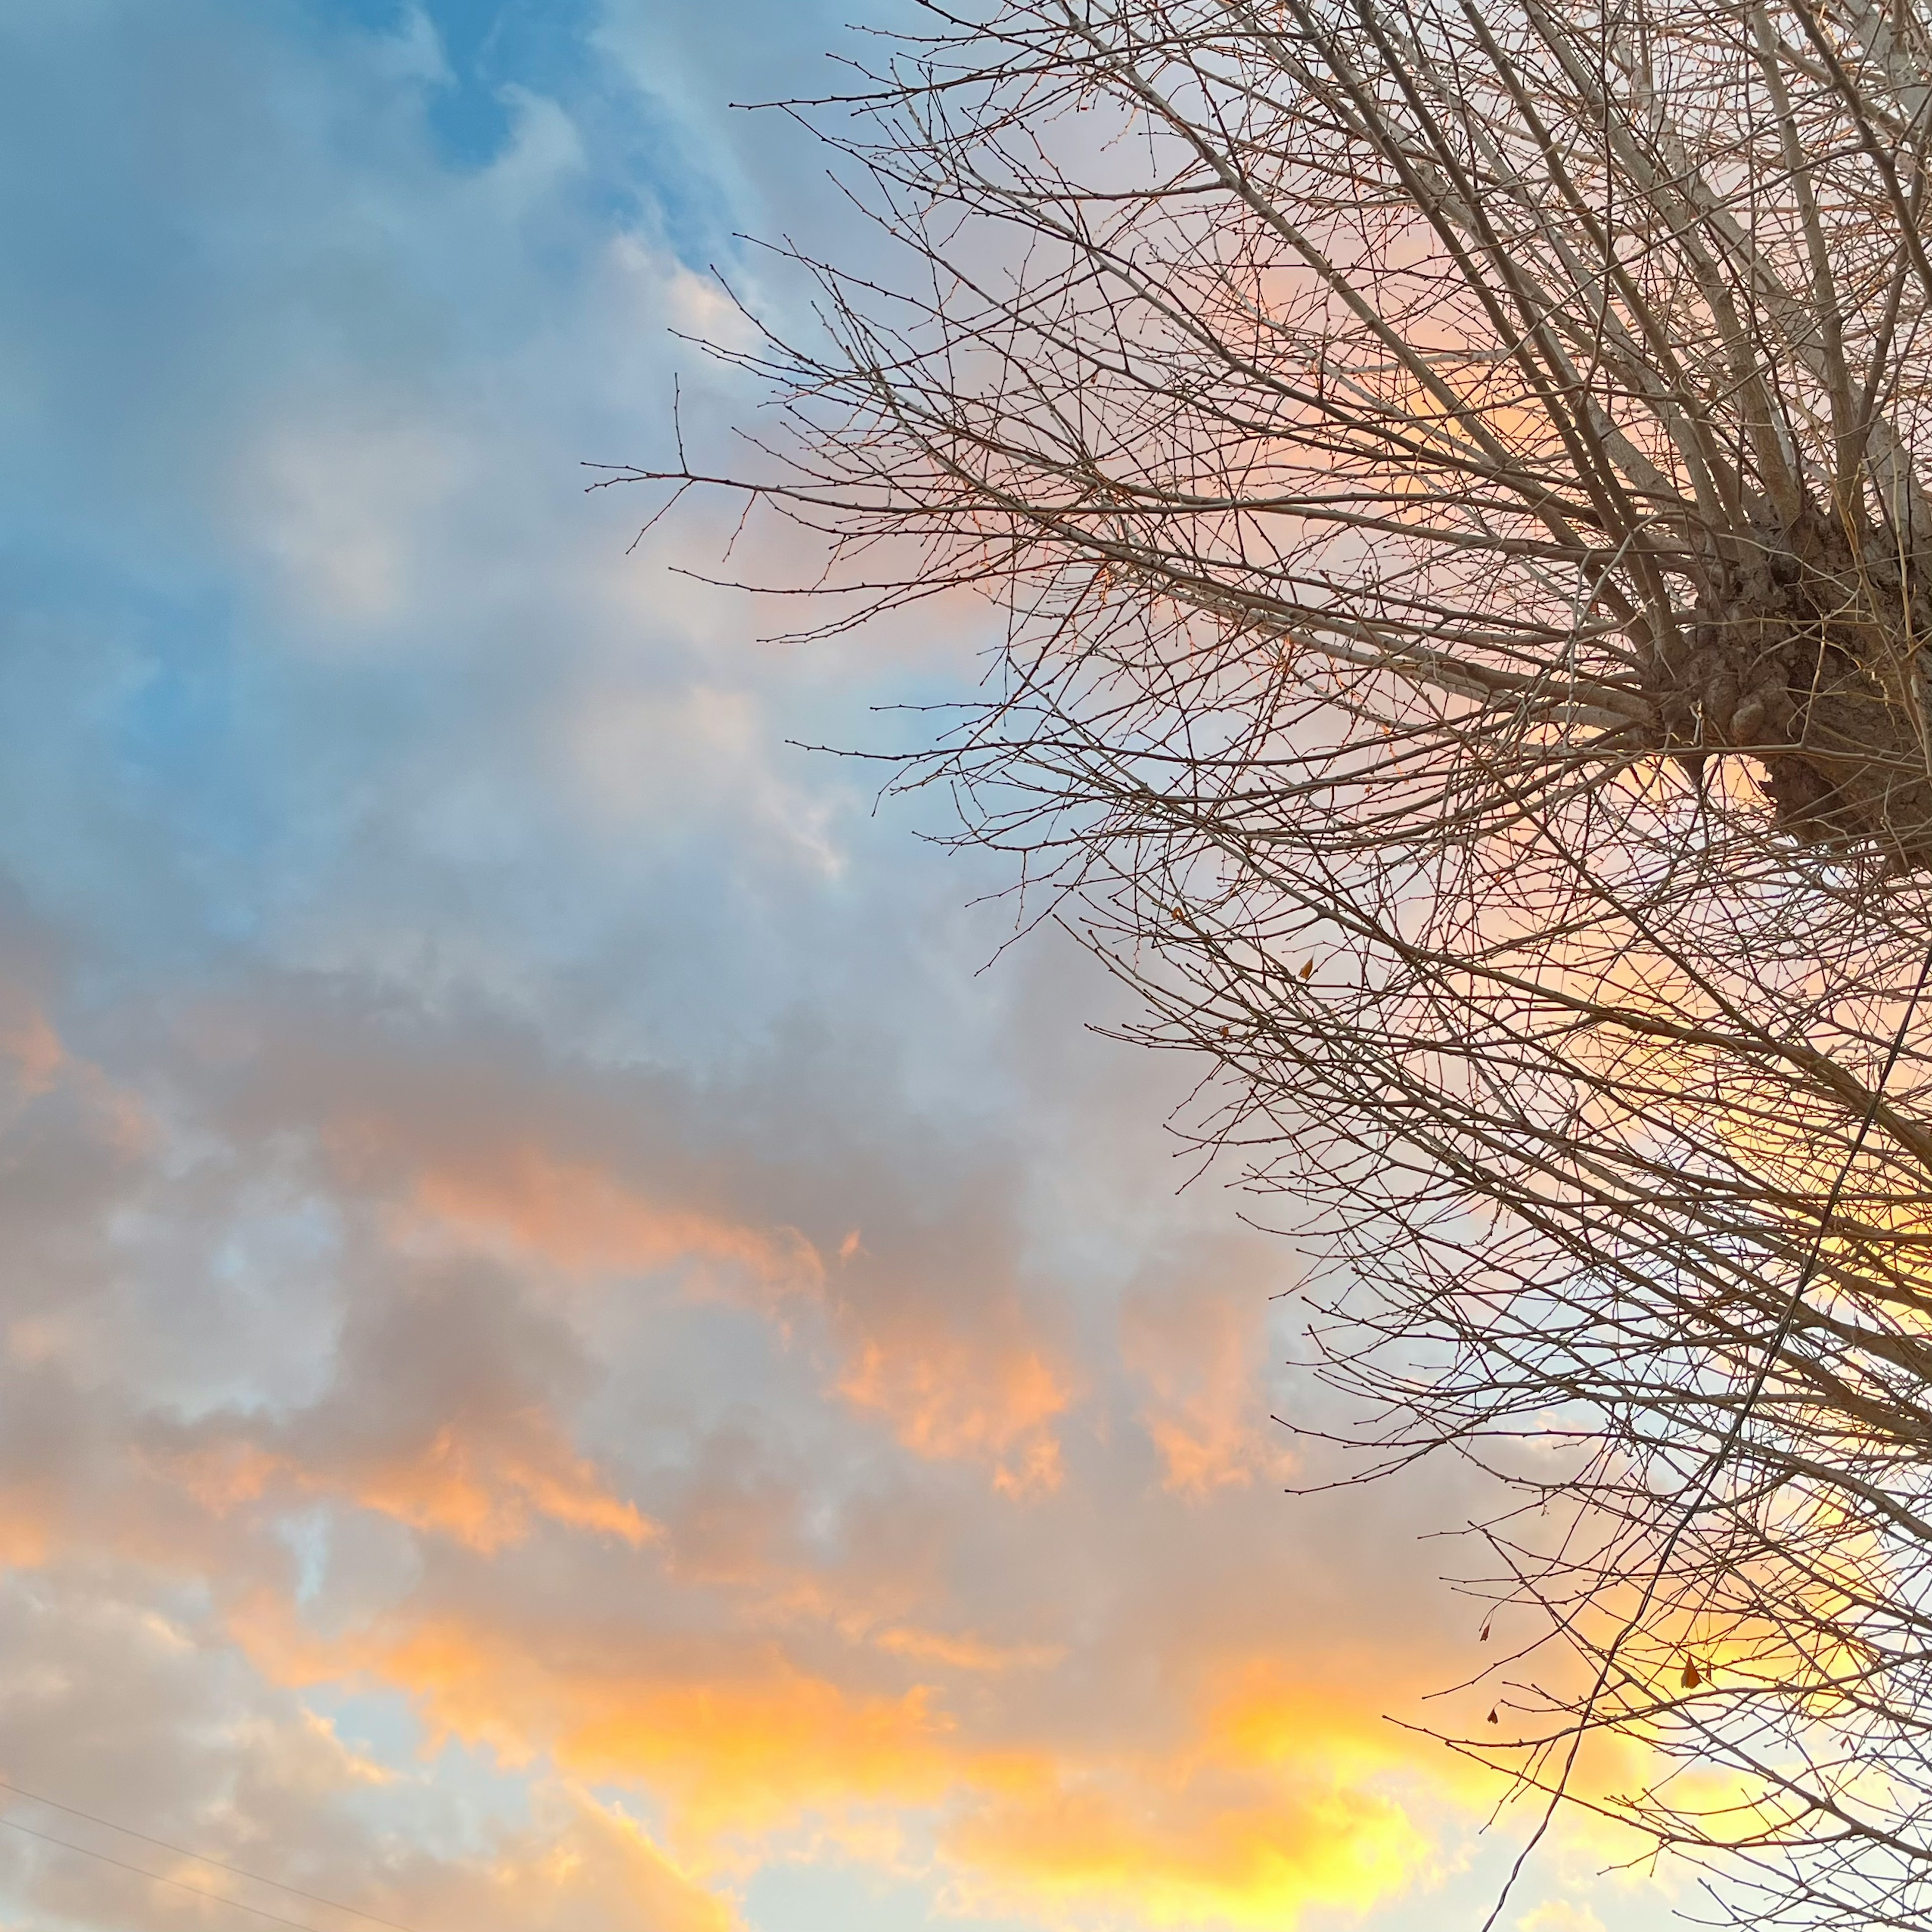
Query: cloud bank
x=567 y=1360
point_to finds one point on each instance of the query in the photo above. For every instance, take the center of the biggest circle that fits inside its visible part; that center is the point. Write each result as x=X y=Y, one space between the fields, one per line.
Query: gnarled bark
x=1807 y=654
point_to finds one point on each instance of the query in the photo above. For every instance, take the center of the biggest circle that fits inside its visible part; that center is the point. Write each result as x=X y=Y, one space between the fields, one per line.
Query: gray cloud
x=527 y=1255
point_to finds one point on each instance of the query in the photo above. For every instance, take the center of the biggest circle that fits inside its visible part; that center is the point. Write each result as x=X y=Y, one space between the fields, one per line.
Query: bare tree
x=1455 y=473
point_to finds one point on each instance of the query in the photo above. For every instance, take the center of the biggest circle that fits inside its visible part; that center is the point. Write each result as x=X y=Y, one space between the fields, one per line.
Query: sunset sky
x=577 y=1354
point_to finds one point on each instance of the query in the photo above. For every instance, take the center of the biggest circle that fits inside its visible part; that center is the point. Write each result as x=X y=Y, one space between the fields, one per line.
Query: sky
x=581 y=1348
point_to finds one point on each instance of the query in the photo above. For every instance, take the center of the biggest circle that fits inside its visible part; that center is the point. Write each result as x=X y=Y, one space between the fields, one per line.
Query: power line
x=181 y=1851
x=141 y=1871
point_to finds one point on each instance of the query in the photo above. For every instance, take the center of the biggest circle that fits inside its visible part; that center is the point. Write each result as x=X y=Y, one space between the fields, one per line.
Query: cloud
x=585 y=1863
x=522 y=1202
x=968 y=1652
x=481 y=1487
x=336 y=510
x=506 y=1496
x=1557 y=1915
x=737 y=1738
x=560 y=1349
x=130 y=1713
x=948 y=1399
x=1262 y=1856
x=1269 y=1807
x=921 y=1302
x=1194 y=1332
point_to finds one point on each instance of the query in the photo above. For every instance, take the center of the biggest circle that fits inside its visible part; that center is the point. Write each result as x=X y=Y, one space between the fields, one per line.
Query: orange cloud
x=749 y=1745
x=481 y=1486
x=946 y=1398
x=584 y=1220
x=1260 y=1715
x=222 y=1476
x=1276 y=1798
x=27 y=1039
x=967 y=1652
x=1199 y=1855
x=483 y=1492
x=41 y=1063
x=775 y=1701
x=605 y=1858
x=1272 y=1808
x=751 y=1756
x=24 y=1538
x=577 y=1863
x=1199 y=1355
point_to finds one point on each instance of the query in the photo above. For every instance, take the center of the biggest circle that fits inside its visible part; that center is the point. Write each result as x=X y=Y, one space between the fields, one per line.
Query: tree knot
x=1805 y=652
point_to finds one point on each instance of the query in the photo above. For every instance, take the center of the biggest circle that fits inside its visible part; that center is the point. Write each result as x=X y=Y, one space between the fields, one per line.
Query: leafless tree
x=1455 y=472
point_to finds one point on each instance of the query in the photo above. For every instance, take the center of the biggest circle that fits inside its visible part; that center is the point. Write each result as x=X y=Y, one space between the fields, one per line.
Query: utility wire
x=181 y=1851
x=141 y=1871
